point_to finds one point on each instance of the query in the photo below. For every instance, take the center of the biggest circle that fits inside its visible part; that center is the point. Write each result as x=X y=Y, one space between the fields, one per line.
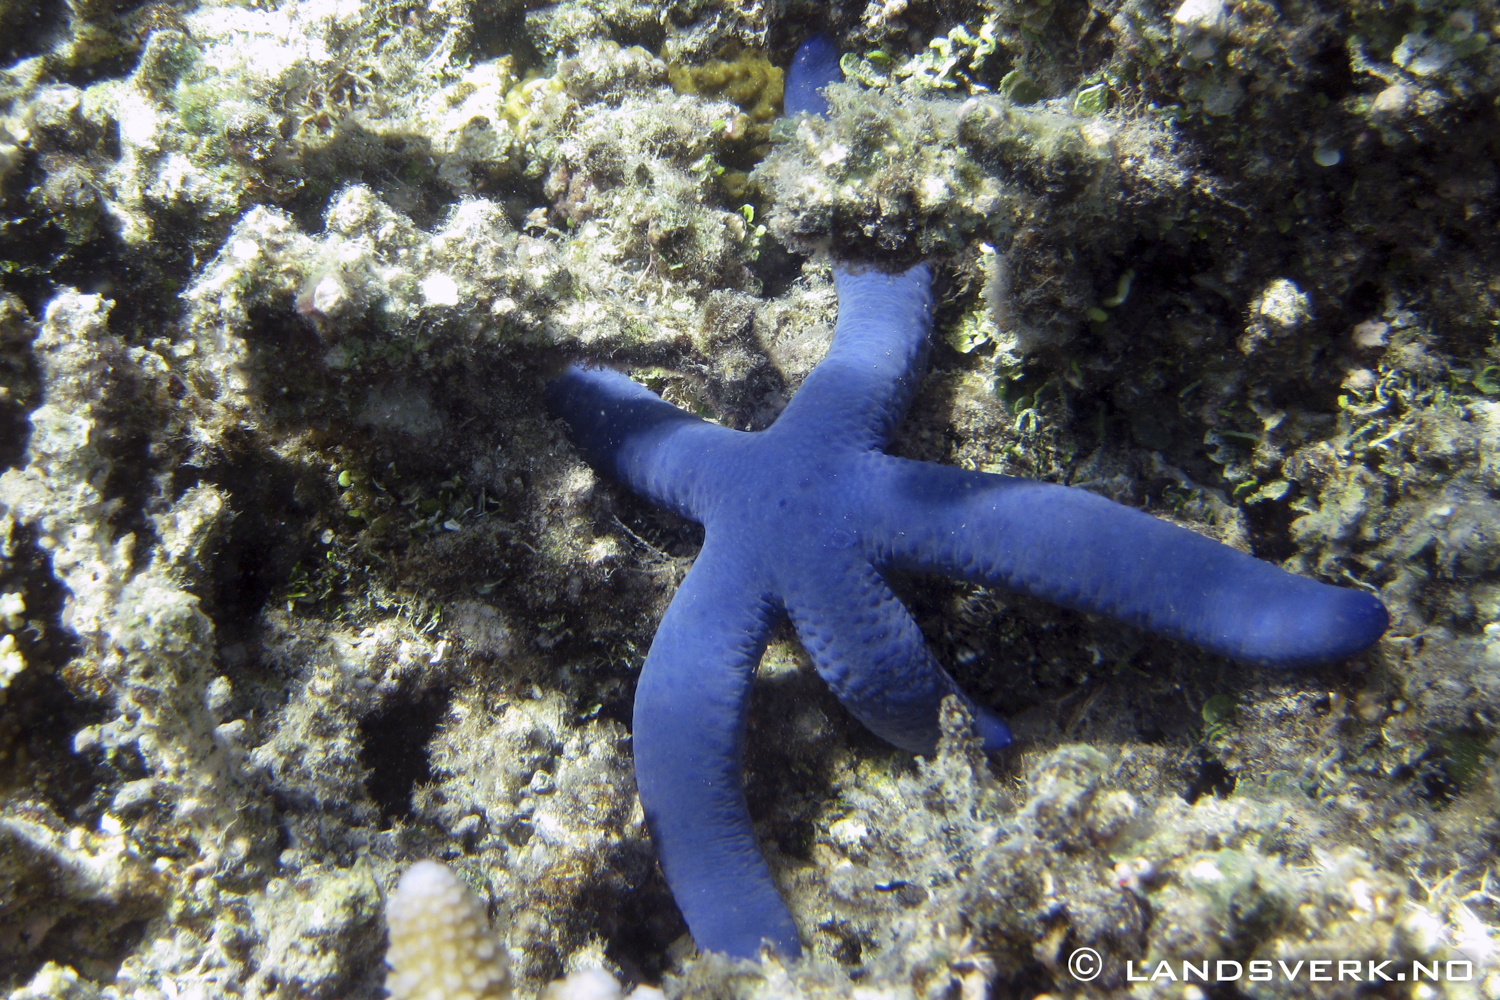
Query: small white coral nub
x=441 y=946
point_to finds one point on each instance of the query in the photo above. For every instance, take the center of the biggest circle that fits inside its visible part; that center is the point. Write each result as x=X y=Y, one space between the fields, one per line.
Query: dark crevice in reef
x=146 y=282
x=31 y=29
x=1271 y=530
x=1436 y=785
x=393 y=166
x=43 y=640
x=776 y=268
x=1032 y=980
x=94 y=943
x=288 y=374
x=117 y=65
x=1212 y=777
x=130 y=481
x=142 y=281
x=15 y=434
x=46 y=704
x=36 y=737
x=393 y=745
x=675 y=536
x=19 y=374
x=498 y=30
x=108 y=42
x=648 y=923
x=263 y=541
x=782 y=760
x=1454 y=763
x=1365 y=299
x=41 y=256
x=1330 y=73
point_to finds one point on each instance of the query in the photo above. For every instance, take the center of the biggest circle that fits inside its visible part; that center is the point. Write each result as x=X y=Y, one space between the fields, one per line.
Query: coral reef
x=298 y=584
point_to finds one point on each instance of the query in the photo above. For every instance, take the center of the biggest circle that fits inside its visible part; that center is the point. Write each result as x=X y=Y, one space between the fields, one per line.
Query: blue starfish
x=804 y=519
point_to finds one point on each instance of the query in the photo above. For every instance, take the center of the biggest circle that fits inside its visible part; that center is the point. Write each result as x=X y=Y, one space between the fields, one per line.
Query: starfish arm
x=631 y=433
x=814 y=67
x=859 y=391
x=864 y=643
x=689 y=730
x=1082 y=551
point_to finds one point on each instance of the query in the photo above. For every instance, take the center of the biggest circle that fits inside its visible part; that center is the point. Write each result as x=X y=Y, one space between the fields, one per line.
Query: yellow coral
x=747 y=78
x=491 y=91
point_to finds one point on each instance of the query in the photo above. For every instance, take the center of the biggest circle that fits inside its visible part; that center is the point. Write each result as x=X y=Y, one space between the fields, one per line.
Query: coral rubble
x=298 y=584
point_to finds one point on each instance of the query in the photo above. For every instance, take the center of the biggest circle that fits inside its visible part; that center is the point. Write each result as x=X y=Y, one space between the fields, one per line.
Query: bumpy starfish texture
x=805 y=518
